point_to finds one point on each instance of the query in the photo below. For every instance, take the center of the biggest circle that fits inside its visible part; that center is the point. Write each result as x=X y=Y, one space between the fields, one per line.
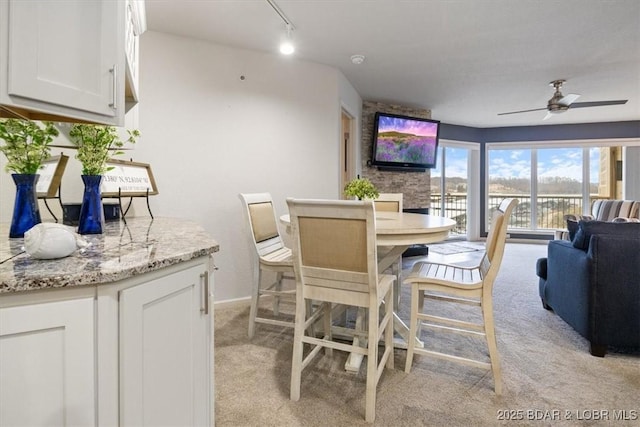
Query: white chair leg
x=388 y=333
x=413 y=327
x=420 y=310
x=255 y=299
x=296 y=360
x=372 y=366
x=276 y=298
x=489 y=329
x=328 y=332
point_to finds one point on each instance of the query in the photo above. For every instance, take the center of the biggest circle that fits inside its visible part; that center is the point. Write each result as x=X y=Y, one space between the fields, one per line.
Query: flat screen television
x=404 y=143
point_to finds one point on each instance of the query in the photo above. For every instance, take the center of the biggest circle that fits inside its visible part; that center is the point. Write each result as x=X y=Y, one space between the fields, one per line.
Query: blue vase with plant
x=26 y=146
x=95 y=144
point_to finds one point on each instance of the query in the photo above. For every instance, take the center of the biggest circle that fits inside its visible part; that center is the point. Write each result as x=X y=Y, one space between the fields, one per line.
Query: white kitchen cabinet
x=134 y=352
x=47 y=363
x=63 y=60
x=165 y=341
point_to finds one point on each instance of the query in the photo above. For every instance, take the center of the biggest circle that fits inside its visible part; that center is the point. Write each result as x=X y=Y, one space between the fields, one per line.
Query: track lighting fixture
x=286 y=46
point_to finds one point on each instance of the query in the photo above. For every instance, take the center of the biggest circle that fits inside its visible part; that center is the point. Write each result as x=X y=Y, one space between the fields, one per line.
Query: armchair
x=592 y=283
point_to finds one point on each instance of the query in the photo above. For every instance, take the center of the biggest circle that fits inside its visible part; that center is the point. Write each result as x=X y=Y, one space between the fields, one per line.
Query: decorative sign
x=51 y=176
x=128 y=179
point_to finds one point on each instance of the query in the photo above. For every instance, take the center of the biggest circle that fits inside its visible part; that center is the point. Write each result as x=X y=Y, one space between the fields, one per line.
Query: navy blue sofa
x=593 y=283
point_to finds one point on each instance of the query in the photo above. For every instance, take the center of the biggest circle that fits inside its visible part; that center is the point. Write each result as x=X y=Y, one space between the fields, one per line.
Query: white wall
x=209 y=135
x=631 y=177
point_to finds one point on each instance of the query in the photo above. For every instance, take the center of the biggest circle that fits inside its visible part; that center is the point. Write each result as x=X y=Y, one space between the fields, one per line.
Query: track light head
x=287 y=47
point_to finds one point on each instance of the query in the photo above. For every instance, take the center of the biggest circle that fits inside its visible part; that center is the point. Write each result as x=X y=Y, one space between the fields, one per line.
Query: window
x=449 y=191
x=550 y=181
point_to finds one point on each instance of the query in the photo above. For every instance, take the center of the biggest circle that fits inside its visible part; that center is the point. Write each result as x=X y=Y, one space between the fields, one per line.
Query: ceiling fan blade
x=598 y=103
x=548 y=116
x=568 y=99
x=522 y=111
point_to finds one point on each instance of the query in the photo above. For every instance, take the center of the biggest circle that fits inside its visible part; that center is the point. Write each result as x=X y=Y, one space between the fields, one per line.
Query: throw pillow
x=572 y=227
x=588 y=228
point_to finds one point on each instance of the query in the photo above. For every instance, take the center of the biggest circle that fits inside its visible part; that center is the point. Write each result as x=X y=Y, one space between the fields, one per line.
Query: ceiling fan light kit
x=560 y=103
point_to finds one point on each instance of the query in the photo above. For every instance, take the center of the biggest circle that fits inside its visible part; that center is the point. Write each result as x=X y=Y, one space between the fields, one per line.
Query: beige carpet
x=549 y=377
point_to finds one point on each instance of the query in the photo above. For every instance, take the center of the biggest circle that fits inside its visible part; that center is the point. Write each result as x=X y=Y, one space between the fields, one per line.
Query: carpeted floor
x=549 y=377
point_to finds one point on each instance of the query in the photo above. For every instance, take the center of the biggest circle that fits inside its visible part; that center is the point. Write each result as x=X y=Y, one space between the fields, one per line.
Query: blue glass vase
x=91 y=219
x=25 y=209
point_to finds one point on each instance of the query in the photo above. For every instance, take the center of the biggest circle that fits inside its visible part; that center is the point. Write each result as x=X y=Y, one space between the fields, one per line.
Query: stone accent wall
x=415 y=186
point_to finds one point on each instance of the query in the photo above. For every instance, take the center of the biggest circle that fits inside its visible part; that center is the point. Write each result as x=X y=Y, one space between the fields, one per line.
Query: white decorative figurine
x=50 y=241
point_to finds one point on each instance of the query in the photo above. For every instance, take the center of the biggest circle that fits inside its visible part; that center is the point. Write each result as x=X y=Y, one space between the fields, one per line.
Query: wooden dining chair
x=334 y=257
x=269 y=254
x=463 y=285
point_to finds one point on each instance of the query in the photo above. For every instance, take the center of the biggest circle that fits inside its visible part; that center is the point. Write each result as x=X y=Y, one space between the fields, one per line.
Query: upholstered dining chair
x=463 y=285
x=271 y=255
x=334 y=258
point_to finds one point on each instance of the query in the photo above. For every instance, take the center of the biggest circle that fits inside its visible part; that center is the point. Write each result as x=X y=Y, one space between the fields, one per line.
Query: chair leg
x=296 y=360
x=487 y=313
x=420 y=310
x=413 y=327
x=388 y=333
x=372 y=365
x=255 y=299
x=276 y=298
x=397 y=271
x=328 y=333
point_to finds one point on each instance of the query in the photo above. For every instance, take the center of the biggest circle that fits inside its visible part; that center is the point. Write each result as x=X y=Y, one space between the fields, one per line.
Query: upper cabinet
x=67 y=61
x=136 y=24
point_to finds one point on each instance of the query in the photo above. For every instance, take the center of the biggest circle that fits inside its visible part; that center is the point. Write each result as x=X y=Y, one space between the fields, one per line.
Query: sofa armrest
x=615 y=290
x=566 y=289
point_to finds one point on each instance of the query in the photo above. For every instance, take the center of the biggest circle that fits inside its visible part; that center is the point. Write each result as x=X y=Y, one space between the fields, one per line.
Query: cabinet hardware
x=114 y=87
x=205 y=277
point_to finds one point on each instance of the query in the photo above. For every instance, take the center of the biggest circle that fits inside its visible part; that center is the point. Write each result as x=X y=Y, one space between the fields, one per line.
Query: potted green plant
x=26 y=146
x=361 y=188
x=95 y=145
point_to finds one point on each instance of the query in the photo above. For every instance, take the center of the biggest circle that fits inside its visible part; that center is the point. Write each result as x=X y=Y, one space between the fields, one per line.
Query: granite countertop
x=123 y=250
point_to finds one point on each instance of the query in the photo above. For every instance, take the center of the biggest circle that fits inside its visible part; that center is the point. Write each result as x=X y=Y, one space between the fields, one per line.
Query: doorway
x=346 y=150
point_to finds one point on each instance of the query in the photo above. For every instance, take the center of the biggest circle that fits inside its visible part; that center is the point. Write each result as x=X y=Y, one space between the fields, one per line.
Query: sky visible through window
x=516 y=163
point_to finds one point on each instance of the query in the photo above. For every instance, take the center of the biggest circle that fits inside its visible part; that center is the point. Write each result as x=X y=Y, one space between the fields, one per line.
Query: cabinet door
x=47 y=364
x=67 y=58
x=164 y=351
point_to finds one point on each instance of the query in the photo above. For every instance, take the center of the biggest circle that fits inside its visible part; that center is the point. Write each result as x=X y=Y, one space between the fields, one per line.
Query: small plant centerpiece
x=95 y=144
x=26 y=146
x=361 y=188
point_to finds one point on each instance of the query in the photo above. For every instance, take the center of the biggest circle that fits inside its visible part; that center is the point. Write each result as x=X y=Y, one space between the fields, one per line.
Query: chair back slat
x=334 y=243
x=263 y=221
x=263 y=228
x=388 y=202
x=387 y=206
x=496 y=240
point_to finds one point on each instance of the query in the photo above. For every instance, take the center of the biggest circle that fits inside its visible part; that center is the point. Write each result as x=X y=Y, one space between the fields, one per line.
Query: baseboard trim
x=232 y=303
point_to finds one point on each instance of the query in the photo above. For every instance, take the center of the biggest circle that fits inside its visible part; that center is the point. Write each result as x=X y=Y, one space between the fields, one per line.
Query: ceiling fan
x=560 y=103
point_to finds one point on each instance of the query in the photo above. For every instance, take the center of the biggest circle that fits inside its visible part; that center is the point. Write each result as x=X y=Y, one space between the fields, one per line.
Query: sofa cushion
x=588 y=228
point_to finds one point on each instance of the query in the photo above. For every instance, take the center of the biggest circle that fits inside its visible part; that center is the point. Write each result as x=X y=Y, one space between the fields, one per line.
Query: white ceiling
x=466 y=60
